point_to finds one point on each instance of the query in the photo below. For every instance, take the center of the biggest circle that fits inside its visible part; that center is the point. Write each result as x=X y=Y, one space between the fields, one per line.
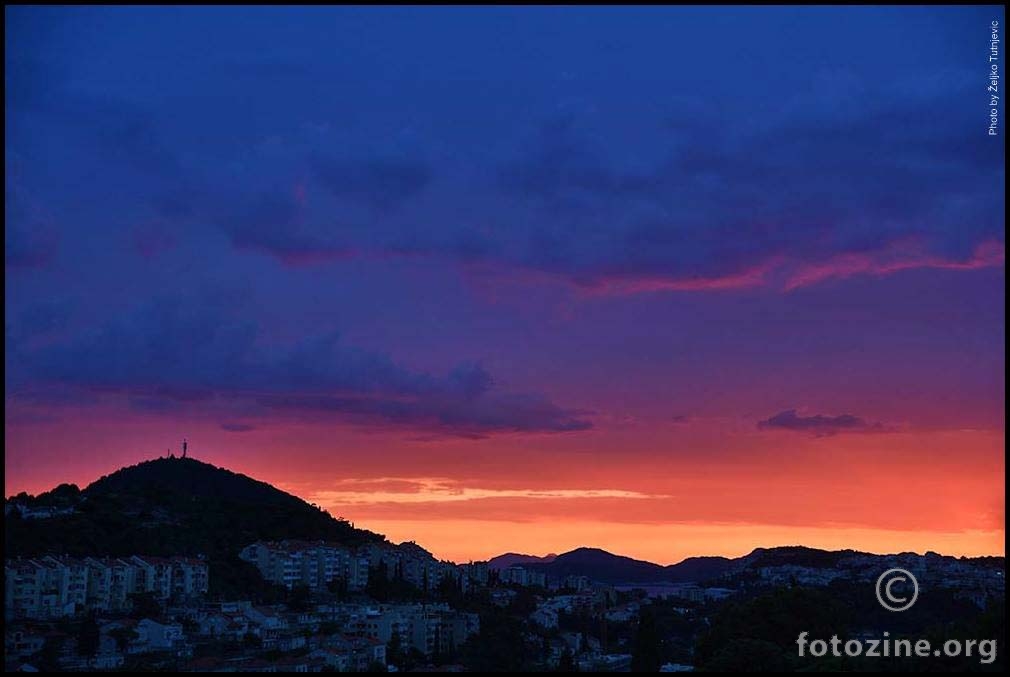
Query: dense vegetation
x=759 y=633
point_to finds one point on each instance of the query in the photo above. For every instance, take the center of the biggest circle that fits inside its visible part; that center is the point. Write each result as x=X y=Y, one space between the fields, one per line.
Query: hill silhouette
x=605 y=567
x=514 y=558
x=177 y=506
x=191 y=477
x=601 y=565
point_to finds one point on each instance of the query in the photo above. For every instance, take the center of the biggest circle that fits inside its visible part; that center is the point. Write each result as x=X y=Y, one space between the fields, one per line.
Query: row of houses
x=56 y=587
x=167 y=645
x=117 y=640
x=336 y=653
x=332 y=636
x=968 y=580
x=319 y=564
x=428 y=628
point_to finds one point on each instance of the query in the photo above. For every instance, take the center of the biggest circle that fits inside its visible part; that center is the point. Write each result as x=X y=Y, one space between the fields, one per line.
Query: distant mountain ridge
x=512 y=559
x=605 y=567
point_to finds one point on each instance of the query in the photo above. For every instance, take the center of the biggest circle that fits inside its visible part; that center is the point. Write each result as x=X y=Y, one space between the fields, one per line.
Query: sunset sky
x=665 y=281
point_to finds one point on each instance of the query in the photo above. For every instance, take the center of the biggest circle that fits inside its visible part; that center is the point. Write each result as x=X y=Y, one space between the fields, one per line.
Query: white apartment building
x=56 y=587
x=518 y=575
x=425 y=627
x=314 y=565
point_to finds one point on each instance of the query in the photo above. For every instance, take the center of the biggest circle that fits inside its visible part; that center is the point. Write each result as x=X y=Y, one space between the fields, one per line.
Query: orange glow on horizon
x=461 y=541
x=661 y=494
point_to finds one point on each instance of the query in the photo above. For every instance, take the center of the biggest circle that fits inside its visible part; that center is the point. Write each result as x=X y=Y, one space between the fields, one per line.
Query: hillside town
x=42 y=594
x=375 y=607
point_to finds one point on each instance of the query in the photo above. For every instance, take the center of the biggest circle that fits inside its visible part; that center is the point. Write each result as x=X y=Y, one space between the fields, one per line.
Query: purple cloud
x=174 y=356
x=830 y=181
x=819 y=425
x=378 y=183
x=275 y=224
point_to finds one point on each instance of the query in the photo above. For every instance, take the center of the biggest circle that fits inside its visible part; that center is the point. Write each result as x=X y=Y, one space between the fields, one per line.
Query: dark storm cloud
x=275 y=224
x=151 y=151
x=798 y=195
x=660 y=184
x=819 y=425
x=379 y=183
x=473 y=418
x=129 y=135
x=173 y=353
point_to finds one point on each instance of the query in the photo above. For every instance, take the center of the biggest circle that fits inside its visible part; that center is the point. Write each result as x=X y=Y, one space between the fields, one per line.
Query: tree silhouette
x=645 y=655
x=88 y=637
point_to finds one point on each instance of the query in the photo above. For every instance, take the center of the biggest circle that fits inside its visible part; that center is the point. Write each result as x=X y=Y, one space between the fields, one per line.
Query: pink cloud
x=754 y=276
x=891 y=260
